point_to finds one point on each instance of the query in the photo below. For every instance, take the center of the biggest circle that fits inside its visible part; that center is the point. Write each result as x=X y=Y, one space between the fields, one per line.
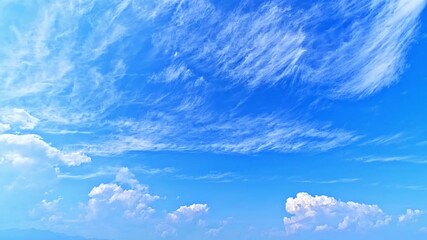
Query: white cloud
x=61 y=72
x=409 y=215
x=126 y=196
x=276 y=42
x=373 y=55
x=408 y=159
x=188 y=213
x=320 y=228
x=317 y=213
x=114 y=171
x=183 y=215
x=17 y=117
x=4 y=127
x=334 y=181
x=173 y=73
x=50 y=205
x=47 y=211
x=27 y=148
x=385 y=140
x=222 y=134
x=218 y=177
x=252 y=48
x=15 y=159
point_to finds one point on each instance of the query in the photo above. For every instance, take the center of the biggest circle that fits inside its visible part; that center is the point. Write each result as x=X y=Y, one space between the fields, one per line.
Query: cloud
x=252 y=48
x=70 y=72
x=217 y=177
x=47 y=211
x=410 y=215
x=244 y=135
x=318 y=213
x=20 y=149
x=17 y=117
x=28 y=148
x=126 y=196
x=183 y=215
x=342 y=47
x=385 y=140
x=371 y=49
x=112 y=171
x=187 y=213
x=334 y=181
x=4 y=127
x=408 y=159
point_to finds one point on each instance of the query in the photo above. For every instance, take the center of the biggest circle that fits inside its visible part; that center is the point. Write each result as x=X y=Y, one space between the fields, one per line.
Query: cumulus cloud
x=47 y=211
x=28 y=148
x=126 y=196
x=19 y=118
x=183 y=215
x=19 y=149
x=410 y=215
x=319 y=213
x=4 y=127
x=188 y=213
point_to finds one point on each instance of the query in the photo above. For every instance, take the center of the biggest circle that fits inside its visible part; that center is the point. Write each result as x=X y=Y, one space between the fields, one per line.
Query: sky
x=213 y=119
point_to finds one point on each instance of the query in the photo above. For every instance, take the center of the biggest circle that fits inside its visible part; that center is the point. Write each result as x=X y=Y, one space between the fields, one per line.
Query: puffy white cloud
x=15 y=159
x=19 y=118
x=321 y=228
x=47 y=211
x=130 y=199
x=188 y=213
x=183 y=215
x=4 y=127
x=409 y=215
x=318 y=213
x=30 y=148
x=19 y=149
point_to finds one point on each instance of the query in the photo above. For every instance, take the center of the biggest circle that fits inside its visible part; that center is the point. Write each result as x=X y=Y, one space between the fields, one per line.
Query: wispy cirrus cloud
x=277 y=42
x=216 y=177
x=386 y=140
x=390 y=159
x=239 y=135
x=112 y=171
x=333 y=181
x=70 y=67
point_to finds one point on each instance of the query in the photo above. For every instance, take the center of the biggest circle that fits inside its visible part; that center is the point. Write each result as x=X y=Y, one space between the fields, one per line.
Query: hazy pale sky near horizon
x=214 y=119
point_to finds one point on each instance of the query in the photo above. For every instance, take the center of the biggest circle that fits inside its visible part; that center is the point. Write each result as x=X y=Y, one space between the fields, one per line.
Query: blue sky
x=201 y=119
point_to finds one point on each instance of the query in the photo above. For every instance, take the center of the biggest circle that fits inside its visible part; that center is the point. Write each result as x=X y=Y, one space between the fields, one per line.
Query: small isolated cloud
x=47 y=210
x=125 y=196
x=188 y=213
x=319 y=213
x=214 y=230
x=410 y=215
x=320 y=228
x=184 y=214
